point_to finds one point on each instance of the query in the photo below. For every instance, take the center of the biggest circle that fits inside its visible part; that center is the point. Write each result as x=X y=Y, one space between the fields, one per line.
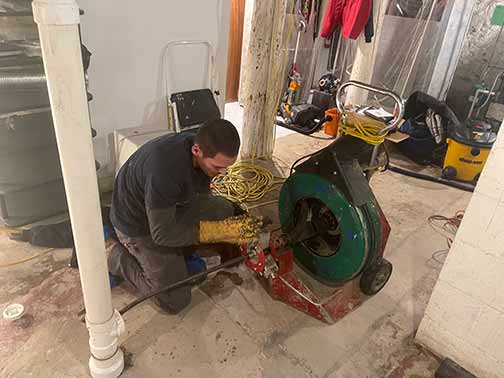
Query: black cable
x=307 y=156
x=454 y=184
x=320 y=138
x=301 y=158
x=178 y=284
x=184 y=282
x=302 y=130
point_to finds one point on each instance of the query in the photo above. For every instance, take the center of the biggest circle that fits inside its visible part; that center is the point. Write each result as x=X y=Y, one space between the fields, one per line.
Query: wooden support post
x=265 y=65
x=247 y=26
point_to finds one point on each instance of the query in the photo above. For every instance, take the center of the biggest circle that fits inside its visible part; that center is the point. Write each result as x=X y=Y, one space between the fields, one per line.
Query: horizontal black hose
x=454 y=184
x=184 y=282
x=178 y=284
x=301 y=129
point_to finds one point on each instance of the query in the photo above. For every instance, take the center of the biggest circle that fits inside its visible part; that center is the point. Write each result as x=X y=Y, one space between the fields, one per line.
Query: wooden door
x=234 y=49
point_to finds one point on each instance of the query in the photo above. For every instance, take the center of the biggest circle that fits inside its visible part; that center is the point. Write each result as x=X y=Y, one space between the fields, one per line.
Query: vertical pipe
x=336 y=55
x=58 y=22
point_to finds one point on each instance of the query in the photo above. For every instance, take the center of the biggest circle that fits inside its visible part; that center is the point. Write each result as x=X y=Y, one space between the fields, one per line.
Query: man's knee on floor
x=117 y=256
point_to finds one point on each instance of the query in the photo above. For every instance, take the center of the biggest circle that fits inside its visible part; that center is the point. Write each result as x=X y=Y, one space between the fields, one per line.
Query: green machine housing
x=328 y=204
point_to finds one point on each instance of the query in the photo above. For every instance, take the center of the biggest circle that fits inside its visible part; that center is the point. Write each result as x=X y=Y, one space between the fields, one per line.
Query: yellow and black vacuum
x=468 y=149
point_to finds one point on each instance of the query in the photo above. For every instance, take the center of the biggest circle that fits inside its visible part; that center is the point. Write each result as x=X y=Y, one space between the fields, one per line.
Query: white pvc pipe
x=58 y=22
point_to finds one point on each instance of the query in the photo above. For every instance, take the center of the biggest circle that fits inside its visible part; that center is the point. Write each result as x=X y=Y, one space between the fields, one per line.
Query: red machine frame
x=277 y=269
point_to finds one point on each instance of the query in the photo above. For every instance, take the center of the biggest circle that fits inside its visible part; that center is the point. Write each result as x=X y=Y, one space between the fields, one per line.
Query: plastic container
x=13 y=312
x=331 y=127
x=465 y=160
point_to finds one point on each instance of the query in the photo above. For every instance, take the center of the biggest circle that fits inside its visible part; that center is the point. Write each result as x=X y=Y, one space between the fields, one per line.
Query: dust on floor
x=235 y=330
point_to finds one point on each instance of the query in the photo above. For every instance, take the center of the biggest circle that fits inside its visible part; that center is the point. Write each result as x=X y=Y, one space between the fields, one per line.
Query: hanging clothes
x=353 y=15
x=332 y=18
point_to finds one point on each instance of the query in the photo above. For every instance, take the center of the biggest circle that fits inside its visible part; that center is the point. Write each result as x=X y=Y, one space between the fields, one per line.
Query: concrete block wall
x=464 y=319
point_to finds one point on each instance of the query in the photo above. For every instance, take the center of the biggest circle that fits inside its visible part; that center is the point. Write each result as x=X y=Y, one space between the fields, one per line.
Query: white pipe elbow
x=104 y=337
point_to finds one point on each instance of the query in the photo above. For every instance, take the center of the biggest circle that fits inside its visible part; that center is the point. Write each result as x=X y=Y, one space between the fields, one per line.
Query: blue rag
x=195 y=264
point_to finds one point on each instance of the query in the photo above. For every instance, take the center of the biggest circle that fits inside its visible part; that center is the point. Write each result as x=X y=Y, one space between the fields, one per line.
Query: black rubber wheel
x=376 y=277
x=449 y=173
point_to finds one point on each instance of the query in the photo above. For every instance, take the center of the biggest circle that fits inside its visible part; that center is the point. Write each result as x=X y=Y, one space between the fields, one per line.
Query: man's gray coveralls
x=158 y=201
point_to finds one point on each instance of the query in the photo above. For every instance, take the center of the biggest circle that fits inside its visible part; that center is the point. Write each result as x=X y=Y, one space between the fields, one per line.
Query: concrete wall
x=476 y=52
x=127 y=40
x=465 y=316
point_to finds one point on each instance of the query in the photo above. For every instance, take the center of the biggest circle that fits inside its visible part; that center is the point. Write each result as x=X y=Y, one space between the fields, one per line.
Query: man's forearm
x=171 y=227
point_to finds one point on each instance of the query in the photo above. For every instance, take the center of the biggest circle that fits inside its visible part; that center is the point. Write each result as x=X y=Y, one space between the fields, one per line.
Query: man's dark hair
x=218 y=136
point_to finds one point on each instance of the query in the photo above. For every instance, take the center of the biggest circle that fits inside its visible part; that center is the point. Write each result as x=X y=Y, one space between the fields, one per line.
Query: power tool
x=329 y=257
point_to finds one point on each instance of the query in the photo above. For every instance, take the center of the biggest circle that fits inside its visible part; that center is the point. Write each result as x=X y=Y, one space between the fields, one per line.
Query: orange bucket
x=331 y=127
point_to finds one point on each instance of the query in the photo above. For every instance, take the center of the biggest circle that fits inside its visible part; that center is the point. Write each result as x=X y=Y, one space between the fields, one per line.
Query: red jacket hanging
x=351 y=14
x=333 y=17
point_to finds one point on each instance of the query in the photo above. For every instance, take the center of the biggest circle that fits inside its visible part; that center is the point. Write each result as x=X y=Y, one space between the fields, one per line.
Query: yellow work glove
x=234 y=230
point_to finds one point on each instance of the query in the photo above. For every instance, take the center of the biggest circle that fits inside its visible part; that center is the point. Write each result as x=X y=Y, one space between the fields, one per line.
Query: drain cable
x=178 y=284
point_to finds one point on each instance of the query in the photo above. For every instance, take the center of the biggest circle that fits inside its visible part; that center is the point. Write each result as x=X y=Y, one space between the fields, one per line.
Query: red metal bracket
x=255 y=263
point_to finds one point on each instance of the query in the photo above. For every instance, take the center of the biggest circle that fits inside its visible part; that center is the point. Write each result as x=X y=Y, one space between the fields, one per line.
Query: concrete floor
x=239 y=331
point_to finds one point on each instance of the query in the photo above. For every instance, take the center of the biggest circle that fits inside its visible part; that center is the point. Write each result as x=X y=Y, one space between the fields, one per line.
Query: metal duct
x=32 y=78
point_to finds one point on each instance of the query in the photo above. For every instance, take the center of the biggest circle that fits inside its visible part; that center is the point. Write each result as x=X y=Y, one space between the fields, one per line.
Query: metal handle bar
x=371 y=88
x=210 y=62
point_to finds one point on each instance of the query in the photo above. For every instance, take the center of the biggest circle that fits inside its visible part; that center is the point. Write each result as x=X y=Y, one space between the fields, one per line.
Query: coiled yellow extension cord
x=246 y=182
x=363 y=127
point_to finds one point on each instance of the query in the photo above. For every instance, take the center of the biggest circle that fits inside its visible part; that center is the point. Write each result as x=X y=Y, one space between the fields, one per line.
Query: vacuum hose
x=26 y=79
x=301 y=130
x=454 y=184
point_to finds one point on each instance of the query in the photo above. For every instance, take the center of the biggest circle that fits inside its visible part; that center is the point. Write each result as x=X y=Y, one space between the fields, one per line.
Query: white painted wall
x=465 y=316
x=126 y=39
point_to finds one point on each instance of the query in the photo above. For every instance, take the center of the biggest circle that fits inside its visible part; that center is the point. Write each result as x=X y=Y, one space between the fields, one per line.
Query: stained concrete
x=239 y=331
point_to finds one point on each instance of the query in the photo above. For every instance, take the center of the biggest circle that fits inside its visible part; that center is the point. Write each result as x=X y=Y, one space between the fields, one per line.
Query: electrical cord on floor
x=447 y=227
x=439 y=255
x=16 y=231
x=246 y=182
x=9 y=230
x=21 y=261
